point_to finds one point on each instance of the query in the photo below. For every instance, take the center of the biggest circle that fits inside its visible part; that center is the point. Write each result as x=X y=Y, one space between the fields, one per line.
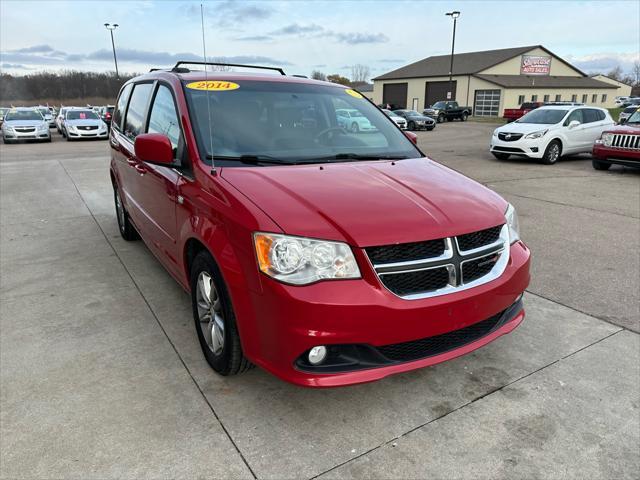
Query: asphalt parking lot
x=101 y=374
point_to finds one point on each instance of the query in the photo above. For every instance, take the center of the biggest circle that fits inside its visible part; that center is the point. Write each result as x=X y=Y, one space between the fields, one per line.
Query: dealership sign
x=535 y=65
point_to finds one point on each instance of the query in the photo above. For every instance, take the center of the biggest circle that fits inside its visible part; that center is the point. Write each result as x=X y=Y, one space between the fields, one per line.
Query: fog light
x=317 y=355
x=534 y=149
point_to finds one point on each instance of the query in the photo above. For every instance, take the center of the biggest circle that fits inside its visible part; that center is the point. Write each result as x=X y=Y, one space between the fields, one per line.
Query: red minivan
x=327 y=256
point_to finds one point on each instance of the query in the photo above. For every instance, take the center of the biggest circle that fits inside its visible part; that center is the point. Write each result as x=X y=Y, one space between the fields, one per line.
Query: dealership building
x=493 y=80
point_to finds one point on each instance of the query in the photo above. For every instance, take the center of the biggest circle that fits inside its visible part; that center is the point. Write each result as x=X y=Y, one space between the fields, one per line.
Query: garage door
x=395 y=94
x=436 y=91
x=487 y=103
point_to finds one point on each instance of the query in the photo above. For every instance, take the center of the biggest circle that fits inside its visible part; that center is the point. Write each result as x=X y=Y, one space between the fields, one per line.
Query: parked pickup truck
x=513 y=114
x=447 y=110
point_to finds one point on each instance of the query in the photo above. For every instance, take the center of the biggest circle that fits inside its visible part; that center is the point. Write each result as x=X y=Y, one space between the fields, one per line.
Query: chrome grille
x=25 y=129
x=509 y=137
x=412 y=271
x=631 y=142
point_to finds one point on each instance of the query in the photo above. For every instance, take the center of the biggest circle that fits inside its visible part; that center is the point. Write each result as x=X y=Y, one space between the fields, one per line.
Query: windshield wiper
x=250 y=159
x=355 y=157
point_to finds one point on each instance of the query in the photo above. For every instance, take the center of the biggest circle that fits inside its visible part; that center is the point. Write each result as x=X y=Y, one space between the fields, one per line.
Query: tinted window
x=134 y=121
x=164 y=118
x=591 y=115
x=121 y=105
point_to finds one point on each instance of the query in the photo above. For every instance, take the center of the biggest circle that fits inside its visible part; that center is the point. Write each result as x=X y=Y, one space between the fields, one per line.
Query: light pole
x=455 y=14
x=111 y=28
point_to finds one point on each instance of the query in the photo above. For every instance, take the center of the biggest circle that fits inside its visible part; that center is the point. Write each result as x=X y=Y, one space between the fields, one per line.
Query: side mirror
x=622 y=121
x=154 y=148
x=411 y=136
x=573 y=124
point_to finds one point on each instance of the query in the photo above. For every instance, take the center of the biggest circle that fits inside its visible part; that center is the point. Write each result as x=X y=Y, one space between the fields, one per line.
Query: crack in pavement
x=144 y=299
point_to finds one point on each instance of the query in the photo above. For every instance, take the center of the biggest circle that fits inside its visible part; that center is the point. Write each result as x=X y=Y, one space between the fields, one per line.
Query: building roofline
x=607 y=76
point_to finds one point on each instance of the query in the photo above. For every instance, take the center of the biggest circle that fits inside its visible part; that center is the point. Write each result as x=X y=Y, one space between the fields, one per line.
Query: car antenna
x=206 y=82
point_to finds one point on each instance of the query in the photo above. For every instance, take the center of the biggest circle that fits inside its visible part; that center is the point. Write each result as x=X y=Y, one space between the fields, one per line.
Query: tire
x=501 y=156
x=5 y=141
x=598 y=165
x=411 y=126
x=210 y=299
x=68 y=138
x=463 y=117
x=430 y=128
x=355 y=128
x=126 y=228
x=552 y=153
x=440 y=118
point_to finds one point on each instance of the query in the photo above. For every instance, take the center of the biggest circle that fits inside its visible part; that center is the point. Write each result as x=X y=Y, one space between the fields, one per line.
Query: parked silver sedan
x=83 y=123
x=397 y=119
x=25 y=124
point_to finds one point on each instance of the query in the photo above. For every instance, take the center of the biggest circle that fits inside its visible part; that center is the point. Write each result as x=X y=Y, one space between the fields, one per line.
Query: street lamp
x=455 y=14
x=111 y=28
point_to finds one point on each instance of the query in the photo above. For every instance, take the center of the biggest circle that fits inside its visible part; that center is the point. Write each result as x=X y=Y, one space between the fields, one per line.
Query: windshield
x=282 y=122
x=23 y=115
x=81 y=115
x=439 y=105
x=635 y=118
x=3 y=111
x=44 y=111
x=544 y=116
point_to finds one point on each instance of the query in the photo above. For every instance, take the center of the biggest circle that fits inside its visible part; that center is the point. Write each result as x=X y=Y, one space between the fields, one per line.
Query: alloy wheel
x=210 y=313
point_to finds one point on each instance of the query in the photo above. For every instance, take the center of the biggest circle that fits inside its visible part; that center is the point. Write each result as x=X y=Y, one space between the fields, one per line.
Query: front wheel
x=552 y=153
x=440 y=118
x=214 y=318
x=598 y=165
x=411 y=126
x=464 y=116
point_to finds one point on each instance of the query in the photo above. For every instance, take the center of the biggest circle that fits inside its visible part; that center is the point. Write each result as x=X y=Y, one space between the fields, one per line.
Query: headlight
x=7 y=128
x=512 y=221
x=300 y=261
x=44 y=127
x=71 y=128
x=607 y=139
x=538 y=134
x=495 y=133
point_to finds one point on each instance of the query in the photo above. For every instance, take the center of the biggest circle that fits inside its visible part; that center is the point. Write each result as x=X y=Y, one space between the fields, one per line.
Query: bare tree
x=636 y=72
x=616 y=73
x=318 y=75
x=360 y=73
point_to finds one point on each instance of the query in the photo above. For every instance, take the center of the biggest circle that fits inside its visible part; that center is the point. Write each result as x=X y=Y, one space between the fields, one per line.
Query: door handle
x=140 y=169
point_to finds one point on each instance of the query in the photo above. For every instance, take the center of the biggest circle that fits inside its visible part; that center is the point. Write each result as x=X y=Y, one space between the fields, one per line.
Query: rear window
x=121 y=106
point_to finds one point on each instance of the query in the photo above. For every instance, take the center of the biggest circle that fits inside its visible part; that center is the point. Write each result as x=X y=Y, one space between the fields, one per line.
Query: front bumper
x=620 y=156
x=35 y=135
x=286 y=321
x=88 y=134
x=531 y=148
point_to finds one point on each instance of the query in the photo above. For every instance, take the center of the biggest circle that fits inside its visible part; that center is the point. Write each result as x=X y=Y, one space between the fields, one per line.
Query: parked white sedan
x=550 y=132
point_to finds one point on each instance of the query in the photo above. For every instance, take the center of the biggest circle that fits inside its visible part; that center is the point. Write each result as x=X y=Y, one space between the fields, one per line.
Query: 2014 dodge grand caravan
x=326 y=256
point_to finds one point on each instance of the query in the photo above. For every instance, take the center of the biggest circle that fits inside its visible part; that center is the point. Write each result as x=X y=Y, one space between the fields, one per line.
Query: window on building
x=534 y=98
x=520 y=99
x=604 y=97
x=574 y=98
x=546 y=98
x=134 y=121
x=558 y=98
x=584 y=98
x=594 y=98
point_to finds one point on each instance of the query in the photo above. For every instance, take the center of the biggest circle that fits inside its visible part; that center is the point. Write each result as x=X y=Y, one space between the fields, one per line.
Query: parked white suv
x=550 y=132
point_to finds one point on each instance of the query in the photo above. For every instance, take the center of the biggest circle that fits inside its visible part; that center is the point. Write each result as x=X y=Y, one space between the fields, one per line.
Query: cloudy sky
x=303 y=35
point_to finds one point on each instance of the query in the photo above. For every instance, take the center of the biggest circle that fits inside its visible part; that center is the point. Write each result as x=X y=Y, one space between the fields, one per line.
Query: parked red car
x=513 y=114
x=327 y=257
x=619 y=145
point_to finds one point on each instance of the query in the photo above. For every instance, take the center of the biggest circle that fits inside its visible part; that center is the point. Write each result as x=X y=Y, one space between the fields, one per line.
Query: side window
x=120 y=106
x=164 y=118
x=134 y=121
x=575 y=115
x=590 y=115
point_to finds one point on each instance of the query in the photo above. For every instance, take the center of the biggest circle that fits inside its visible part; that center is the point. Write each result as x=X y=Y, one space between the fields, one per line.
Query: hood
x=84 y=123
x=515 y=127
x=24 y=123
x=418 y=117
x=627 y=128
x=370 y=203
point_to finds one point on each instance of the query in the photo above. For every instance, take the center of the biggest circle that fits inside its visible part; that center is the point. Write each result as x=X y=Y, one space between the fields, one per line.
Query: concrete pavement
x=101 y=374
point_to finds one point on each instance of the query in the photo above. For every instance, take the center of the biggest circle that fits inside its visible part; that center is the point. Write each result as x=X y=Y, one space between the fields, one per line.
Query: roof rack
x=178 y=69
